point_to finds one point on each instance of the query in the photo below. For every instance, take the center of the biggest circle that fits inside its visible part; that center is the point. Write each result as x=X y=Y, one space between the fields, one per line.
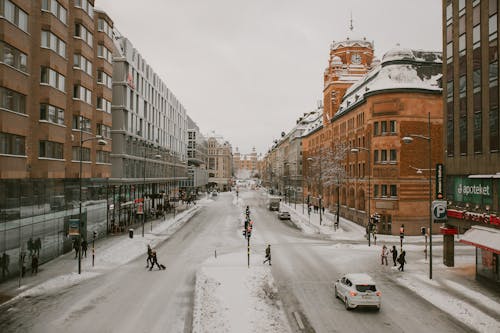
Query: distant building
x=245 y=165
x=220 y=163
x=197 y=150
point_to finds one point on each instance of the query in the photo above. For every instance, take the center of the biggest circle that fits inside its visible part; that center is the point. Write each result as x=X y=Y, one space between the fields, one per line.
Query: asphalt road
x=133 y=299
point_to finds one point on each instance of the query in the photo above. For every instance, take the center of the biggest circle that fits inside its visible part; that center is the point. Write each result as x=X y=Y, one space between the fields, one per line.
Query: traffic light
x=402 y=231
x=249 y=231
x=95 y=234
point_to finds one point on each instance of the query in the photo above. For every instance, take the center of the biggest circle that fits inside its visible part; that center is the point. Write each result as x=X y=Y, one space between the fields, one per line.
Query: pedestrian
x=22 y=259
x=402 y=261
x=268 y=254
x=34 y=264
x=384 y=254
x=155 y=261
x=394 y=252
x=30 y=245
x=38 y=246
x=5 y=264
x=84 y=247
x=323 y=209
x=76 y=246
x=149 y=260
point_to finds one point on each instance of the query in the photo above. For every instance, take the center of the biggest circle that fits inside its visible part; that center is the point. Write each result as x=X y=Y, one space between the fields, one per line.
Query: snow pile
x=459 y=309
x=56 y=283
x=230 y=297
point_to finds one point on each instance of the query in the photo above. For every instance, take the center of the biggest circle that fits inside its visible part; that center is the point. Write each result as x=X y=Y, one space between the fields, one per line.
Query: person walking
x=84 y=247
x=5 y=264
x=394 y=252
x=402 y=261
x=268 y=254
x=149 y=260
x=155 y=261
x=34 y=264
x=76 y=246
x=384 y=255
x=38 y=245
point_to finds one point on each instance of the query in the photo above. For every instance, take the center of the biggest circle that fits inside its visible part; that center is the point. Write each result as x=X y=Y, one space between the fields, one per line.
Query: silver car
x=284 y=215
x=358 y=290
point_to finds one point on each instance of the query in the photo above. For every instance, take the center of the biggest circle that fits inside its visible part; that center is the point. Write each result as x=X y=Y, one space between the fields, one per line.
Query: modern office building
x=149 y=159
x=197 y=149
x=472 y=128
x=54 y=103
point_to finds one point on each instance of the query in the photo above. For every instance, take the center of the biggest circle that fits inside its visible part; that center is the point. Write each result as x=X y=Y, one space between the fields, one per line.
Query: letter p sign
x=439 y=210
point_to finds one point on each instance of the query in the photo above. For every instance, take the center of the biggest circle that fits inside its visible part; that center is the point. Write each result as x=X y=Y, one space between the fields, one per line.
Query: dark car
x=284 y=215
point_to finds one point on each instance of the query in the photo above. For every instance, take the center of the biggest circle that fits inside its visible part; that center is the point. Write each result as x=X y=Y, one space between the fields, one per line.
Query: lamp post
x=320 y=189
x=100 y=142
x=356 y=150
x=144 y=190
x=408 y=139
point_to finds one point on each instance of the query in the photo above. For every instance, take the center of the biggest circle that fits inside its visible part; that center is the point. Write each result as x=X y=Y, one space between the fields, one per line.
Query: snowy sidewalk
x=110 y=253
x=452 y=289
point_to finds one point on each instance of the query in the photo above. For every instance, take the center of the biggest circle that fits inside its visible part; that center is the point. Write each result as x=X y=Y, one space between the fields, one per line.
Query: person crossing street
x=268 y=255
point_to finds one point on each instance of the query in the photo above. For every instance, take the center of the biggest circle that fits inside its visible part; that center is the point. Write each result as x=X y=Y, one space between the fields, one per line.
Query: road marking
x=299 y=321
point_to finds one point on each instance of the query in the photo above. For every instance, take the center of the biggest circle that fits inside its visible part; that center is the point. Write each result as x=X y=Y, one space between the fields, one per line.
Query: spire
x=351 y=27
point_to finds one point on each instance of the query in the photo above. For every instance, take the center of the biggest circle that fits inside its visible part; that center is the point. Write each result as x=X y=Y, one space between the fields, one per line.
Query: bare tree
x=326 y=168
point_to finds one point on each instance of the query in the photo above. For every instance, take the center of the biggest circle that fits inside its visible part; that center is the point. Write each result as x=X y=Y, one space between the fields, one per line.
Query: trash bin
x=131 y=233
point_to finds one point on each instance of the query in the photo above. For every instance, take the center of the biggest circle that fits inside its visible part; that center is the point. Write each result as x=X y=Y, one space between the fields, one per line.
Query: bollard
x=131 y=233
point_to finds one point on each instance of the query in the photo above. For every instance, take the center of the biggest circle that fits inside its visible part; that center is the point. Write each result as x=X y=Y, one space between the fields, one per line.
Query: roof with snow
x=315 y=122
x=399 y=69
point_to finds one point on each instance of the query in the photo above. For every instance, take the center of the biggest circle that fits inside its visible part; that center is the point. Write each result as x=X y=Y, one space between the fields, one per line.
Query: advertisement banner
x=472 y=190
x=74 y=227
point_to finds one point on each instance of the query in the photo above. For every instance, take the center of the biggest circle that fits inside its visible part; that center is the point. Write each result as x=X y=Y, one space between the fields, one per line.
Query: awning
x=483 y=237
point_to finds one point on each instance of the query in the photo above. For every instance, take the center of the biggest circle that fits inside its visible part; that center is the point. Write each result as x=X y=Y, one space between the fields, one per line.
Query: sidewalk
x=452 y=289
x=110 y=253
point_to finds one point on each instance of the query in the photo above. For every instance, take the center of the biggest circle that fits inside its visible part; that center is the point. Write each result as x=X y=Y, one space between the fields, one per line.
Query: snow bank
x=230 y=297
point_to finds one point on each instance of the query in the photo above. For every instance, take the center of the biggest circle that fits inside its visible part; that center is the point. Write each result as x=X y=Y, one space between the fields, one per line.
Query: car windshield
x=365 y=287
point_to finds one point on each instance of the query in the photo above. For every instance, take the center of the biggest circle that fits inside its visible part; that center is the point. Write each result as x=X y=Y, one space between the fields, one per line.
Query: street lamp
x=356 y=150
x=100 y=142
x=408 y=139
x=320 y=189
x=157 y=156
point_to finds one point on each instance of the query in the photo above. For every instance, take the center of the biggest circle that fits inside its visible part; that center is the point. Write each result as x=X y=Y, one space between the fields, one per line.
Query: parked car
x=214 y=194
x=358 y=290
x=284 y=215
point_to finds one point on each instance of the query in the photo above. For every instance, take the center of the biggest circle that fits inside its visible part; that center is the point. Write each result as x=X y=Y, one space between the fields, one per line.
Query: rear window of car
x=365 y=287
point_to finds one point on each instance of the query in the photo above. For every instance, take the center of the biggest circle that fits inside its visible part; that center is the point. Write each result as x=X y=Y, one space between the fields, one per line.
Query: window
x=51 y=41
x=104 y=78
x=82 y=63
x=102 y=156
x=56 y=9
x=394 y=190
x=86 y=6
x=85 y=154
x=103 y=104
x=383 y=127
x=494 y=139
x=11 y=144
x=81 y=123
x=103 y=26
x=392 y=125
x=82 y=93
x=492 y=26
x=449 y=50
x=383 y=155
x=449 y=13
x=50 y=149
x=12 y=100
x=14 y=14
x=52 y=114
x=461 y=45
x=493 y=69
x=52 y=78
x=103 y=52
x=393 y=155
x=375 y=156
x=11 y=56
x=462 y=126
x=383 y=190
x=84 y=34
x=450 y=142
x=104 y=131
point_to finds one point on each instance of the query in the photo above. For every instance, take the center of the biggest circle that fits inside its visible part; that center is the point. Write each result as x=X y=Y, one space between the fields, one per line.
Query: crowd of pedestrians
x=401 y=259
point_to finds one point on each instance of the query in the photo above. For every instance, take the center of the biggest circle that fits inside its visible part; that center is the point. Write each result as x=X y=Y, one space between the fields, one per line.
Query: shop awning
x=483 y=237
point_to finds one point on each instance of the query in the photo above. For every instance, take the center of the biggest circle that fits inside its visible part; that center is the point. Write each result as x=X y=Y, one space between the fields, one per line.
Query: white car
x=358 y=290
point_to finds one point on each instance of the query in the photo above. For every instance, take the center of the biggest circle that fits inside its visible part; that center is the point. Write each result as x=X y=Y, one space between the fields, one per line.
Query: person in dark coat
x=76 y=246
x=155 y=261
x=38 y=245
x=31 y=246
x=268 y=255
x=84 y=247
x=402 y=261
x=394 y=252
x=149 y=260
x=34 y=264
x=5 y=264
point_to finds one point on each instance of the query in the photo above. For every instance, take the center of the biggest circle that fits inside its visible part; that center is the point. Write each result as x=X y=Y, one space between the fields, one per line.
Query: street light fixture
x=157 y=156
x=100 y=142
x=407 y=140
x=356 y=150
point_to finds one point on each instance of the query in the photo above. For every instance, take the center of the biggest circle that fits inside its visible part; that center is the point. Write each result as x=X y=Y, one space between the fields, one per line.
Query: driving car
x=356 y=290
x=284 y=215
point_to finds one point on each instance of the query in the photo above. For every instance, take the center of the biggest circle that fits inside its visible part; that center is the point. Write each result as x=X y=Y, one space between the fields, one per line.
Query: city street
x=132 y=299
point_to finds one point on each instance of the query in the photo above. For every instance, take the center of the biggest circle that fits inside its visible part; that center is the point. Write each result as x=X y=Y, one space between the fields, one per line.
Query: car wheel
x=346 y=303
x=336 y=294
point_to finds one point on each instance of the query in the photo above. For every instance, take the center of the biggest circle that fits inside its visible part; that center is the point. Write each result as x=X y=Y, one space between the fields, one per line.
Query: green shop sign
x=477 y=191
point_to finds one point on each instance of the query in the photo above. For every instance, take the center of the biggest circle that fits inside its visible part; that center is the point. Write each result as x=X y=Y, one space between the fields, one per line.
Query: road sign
x=439 y=210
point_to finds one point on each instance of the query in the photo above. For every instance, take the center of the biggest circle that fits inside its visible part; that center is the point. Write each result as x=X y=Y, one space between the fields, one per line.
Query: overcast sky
x=247 y=69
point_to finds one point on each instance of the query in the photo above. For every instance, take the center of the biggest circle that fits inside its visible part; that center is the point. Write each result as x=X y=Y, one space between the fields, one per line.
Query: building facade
x=472 y=127
x=149 y=159
x=54 y=112
x=197 y=150
x=220 y=163
x=245 y=165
